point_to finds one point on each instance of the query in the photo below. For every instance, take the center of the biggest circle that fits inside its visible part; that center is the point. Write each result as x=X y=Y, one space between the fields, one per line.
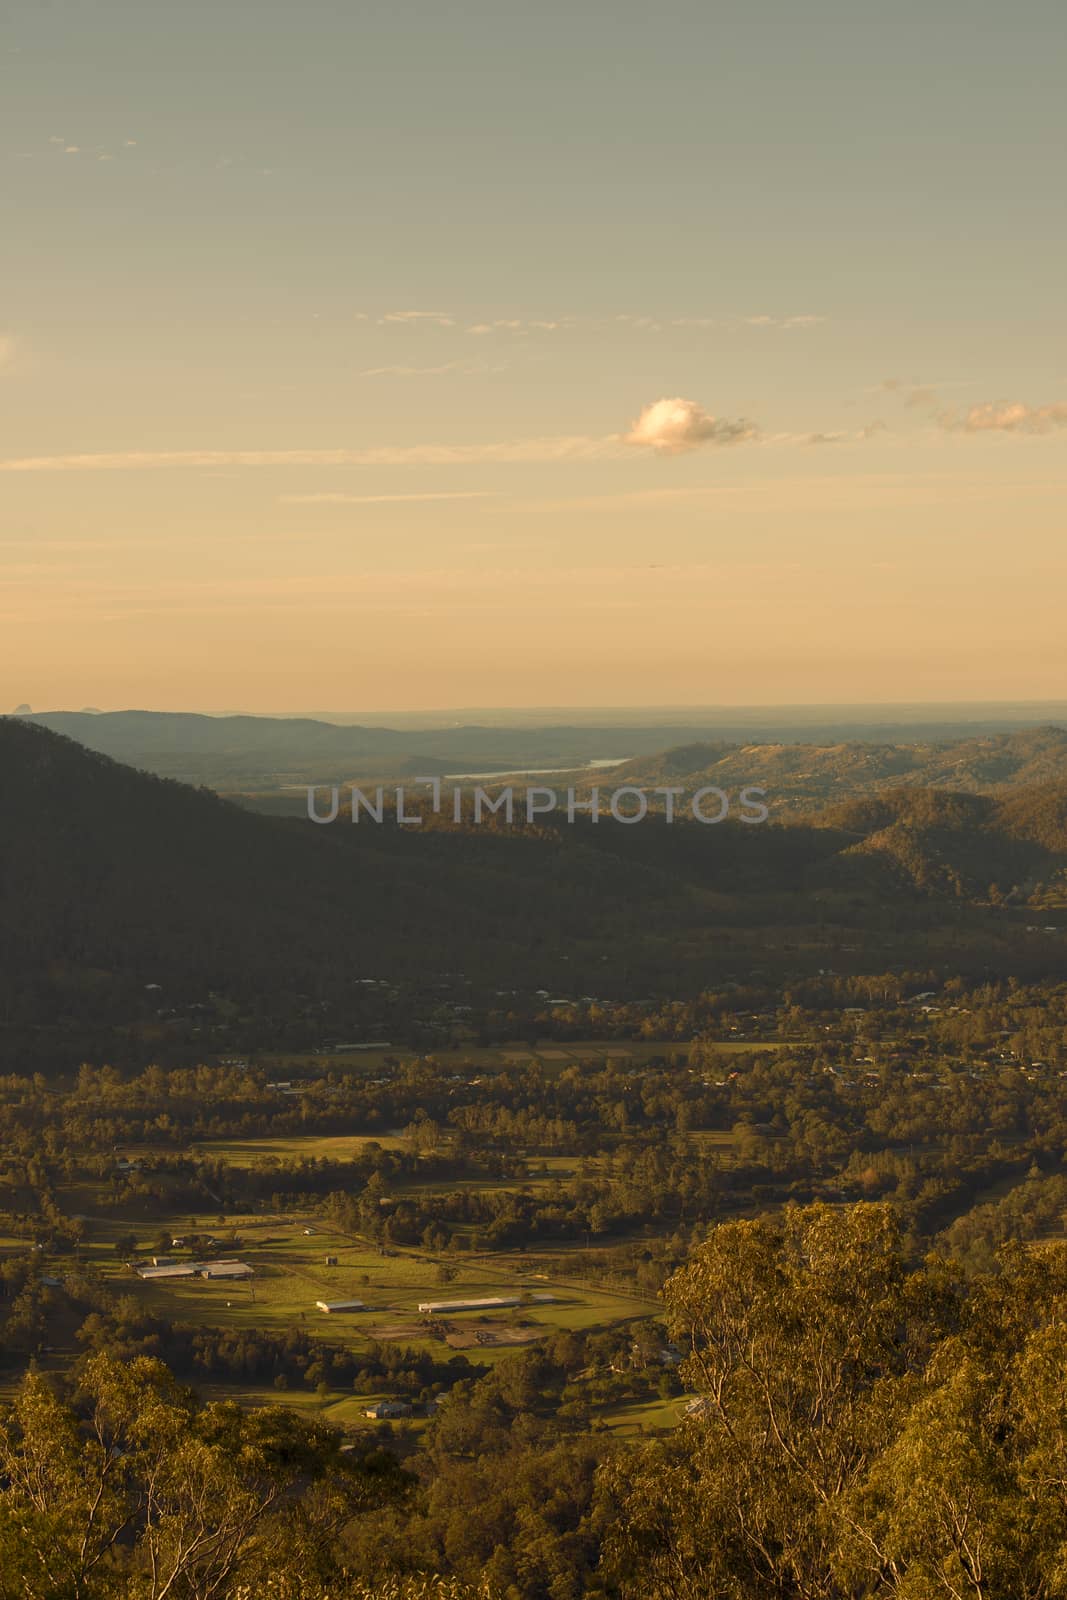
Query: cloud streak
x=576 y=447
x=327 y=499
x=440 y=319
x=638 y=322
x=465 y=369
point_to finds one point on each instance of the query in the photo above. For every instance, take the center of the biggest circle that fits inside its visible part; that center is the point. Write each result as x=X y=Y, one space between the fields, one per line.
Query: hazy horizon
x=846 y=712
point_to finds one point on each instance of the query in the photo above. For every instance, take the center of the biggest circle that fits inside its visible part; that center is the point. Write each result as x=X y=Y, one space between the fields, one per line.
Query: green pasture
x=550 y=1053
x=296 y=1147
x=291 y=1274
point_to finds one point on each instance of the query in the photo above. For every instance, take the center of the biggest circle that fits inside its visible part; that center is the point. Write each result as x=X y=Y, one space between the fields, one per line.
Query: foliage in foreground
x=865 y=1430
x=136 y=1490
x=868 y=1427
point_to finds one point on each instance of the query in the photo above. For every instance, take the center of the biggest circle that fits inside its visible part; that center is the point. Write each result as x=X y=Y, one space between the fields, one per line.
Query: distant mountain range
x=267 y=753
x=803 y=765
x=111 y=879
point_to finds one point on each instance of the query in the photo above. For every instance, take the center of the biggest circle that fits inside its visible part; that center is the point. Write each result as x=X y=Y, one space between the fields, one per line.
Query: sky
x=409 y=354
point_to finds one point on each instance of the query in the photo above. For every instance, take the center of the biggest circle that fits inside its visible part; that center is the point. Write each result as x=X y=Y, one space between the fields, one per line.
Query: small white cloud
x=72 y=150
x=673 y=426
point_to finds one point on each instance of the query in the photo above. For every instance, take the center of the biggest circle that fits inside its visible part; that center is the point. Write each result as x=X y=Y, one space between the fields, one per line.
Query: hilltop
x=809 y=776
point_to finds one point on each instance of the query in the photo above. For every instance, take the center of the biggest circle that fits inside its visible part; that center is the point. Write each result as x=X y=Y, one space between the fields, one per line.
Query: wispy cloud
x=638 y=322
x=327 y=499
x=441 y=319
x=915 y=395
x=465 y=369
x=656 y=324
x=989 y=416
x=671 y=427
x=67 y=147
x=1006 y=417
x=543 y=450
x=524 y=325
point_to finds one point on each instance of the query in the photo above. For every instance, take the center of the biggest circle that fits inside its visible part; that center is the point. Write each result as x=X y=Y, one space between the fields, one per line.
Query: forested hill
x=110 y=877
x=106 y=869
x=963 y=845
x=809 y=776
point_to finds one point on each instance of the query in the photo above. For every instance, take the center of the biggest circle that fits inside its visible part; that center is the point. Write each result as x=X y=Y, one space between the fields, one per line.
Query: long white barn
x=198 y=1269
x=493 y=1303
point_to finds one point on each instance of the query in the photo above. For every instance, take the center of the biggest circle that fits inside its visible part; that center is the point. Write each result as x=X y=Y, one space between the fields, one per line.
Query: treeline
x=254 y=1356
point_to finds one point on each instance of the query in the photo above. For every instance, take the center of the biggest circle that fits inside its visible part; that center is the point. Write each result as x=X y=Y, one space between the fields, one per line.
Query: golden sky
x=404 y=356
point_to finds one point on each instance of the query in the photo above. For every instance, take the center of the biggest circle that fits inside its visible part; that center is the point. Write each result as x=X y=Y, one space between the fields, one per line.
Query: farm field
x=482 y=1058
x=296 y=1147
x=541 y=1170
x=641 y=1416
x=291 y=1275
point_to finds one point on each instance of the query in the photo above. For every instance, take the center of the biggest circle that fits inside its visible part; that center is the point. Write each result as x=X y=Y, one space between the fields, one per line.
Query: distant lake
x=534 y=772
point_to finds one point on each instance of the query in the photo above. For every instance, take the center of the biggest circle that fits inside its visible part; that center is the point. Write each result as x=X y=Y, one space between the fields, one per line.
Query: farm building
x=224 y=1269
x=340 y=1305
x=544 y=1299
x=388 y=1408
x=331 y=1261
x=182 y=1269
x=441 y=1307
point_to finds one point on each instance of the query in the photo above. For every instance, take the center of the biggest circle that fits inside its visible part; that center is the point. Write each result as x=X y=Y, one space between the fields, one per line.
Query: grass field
x=551 y=1053
x=347 y=1147
x=323 y=1147
x=641 y=1416
x=291 y=1275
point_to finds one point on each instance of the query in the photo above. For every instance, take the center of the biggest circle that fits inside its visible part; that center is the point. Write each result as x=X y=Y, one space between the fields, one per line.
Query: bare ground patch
x=468 y=1338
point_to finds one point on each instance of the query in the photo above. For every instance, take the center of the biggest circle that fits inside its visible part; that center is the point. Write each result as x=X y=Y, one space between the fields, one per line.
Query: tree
x=140 y=1491
x=803 y=1334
